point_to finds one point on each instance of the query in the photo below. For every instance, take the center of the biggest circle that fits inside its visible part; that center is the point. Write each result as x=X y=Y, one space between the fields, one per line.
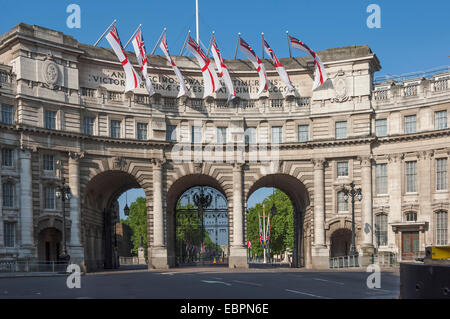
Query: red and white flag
x=212 y=83
x=223 y=70
x=249 y=244
x=165 y=49
x=251 y=55
x=141 y=55
x=320 y=76
x=280 y=68
x=132 y=79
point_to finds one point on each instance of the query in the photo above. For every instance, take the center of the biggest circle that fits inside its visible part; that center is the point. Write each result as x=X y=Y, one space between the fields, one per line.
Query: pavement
x=206 y=283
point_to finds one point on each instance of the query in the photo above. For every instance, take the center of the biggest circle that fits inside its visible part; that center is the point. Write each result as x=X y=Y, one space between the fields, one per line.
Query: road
x=209 y=283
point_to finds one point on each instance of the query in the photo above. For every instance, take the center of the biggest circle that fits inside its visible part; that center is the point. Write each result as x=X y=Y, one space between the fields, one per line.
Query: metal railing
x=33 y=266
x=412 y=75
x=344 y=261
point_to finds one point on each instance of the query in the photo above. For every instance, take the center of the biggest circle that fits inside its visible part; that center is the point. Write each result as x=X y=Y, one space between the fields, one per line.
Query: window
x=410 y=174
x=381 y=178
x=221 y=135
x=342 y=203
x=303 y=133
x=115 y=129
x=441 y=227
x=276 y=103
x=342 y=169
x=410 y=124
x=381 y=127
x=341 y=130
x=49 y=162
x=88 y=125
x=196 y=134
x=141 y=131
x=250 y=135
x=7 y=157
x=411 y=216
x=277 y=134
x=171 y=133
x=50 y=199
x=381 y=229
x=441 y=174
x=440 y=120
x=50 y=120
x=10 y=234
x=8 y=194
x=7 y=114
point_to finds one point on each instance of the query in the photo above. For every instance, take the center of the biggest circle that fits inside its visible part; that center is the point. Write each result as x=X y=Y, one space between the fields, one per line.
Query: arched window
x=411 y=216
x=441 y=227
x=381 y=228
x=342 y=204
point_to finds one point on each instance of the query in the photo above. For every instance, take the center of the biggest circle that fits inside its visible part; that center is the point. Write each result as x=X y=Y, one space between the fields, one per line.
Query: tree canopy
x=137 y=221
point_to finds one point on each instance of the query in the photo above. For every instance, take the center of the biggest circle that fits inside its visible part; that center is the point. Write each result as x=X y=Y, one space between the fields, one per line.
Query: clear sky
x=414 y=35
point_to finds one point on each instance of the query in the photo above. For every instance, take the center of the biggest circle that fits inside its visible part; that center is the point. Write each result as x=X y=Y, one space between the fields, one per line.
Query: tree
x=137 y=221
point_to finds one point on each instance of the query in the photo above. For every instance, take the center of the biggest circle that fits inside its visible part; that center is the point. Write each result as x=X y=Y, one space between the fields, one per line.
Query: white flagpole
x=159 y=40
x=104 y=33
x=262 y=36
x=185 y=41
x=237 y=45
x=140 y=25
x=196 y=21
x=210 y=43
x=289 y=43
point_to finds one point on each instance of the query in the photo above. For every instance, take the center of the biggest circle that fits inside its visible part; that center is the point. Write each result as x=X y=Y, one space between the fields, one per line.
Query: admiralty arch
x=64 y=114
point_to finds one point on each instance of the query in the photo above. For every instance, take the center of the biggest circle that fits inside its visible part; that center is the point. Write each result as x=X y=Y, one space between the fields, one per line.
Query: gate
x=202 y=227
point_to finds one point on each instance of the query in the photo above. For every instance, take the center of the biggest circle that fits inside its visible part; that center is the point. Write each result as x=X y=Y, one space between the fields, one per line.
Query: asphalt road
x=195 y=283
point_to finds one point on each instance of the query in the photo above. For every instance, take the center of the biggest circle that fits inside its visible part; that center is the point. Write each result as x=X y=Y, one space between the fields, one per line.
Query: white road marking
x=326 y=280
x=307 y=294
x=216 y=282
x=167 y=273
x=248 y=283
x=218 y=278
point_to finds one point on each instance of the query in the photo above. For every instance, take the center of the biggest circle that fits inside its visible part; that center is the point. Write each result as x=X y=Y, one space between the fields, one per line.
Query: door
x=410 y=245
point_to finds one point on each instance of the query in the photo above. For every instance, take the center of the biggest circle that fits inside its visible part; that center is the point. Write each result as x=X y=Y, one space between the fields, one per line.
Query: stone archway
x=299 y=196
x=340 y=242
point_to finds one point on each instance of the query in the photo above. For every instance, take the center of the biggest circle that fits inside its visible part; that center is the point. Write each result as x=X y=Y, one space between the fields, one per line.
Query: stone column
x=395 y=174
x=75 y=248
x=425 y=189
x=367 y=248
x=238 y=250
x=320 y=252
x=26 y=205
x=158 y=251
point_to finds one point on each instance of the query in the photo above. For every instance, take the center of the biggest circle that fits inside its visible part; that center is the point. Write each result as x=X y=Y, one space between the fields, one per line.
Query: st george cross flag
x=251 y=55
x=320 y=76
x=223 y=71
x=132 y=79
x=280 y=68
x=141 y=55
x=165 y=49
x=212 y=83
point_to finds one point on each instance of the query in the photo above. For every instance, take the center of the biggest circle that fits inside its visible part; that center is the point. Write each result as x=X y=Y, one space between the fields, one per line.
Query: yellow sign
x=440 y=252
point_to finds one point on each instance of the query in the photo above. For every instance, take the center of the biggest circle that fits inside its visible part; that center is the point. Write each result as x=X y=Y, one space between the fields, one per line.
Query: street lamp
x=352 y=192
x=202 y=202
x=126 y=209
x=63 y=192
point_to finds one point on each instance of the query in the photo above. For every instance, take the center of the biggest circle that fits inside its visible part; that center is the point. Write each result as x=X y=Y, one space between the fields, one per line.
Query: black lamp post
x=352 y=192
x=202 y=202
x=63 y=192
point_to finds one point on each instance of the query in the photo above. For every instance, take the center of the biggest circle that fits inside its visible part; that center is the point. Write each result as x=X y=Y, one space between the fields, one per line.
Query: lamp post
x=352 y=192
x=63 y=192
x=202 y=202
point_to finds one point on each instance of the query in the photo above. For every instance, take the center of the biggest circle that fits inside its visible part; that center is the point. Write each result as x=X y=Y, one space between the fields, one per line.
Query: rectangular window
x=440 y=120
x=8 y=194
x=441 y=174
x=381 y=179
x=221 y=135
x=303 y=133
x=7 y=157
x=441 y=228
x=410 y=124
x=88 y=125
x=196 y=134
x=410 y=168
x=341 y=129
x=7 y=114
x=381 y=127
x=115 y=129
x=342 y=169
x=342 y=203
x=381 y=229
x=171 y=132
x=50 y=198
x=50 y=120
x=277 y=134
x=9 y=234
x=250 y=135
x=49 y=162
x=276 y=103
x=141 y=131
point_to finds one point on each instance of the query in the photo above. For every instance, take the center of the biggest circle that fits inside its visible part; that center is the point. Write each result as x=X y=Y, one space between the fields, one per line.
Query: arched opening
x=49 y=244
x=293 y=241
x=340 y=242
x=104 y=229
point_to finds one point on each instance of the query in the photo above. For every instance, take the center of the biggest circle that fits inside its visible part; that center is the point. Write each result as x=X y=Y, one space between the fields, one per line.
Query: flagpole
x=237 y=45
x=289 y=43
x=140 y=25
x=159 y=40
x=210 y=43
x=196 y=21
x=104 y=33
x=262 y=36
x=185 y=41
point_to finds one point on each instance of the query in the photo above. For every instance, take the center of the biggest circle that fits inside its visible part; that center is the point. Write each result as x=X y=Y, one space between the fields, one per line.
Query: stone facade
x=66 y=98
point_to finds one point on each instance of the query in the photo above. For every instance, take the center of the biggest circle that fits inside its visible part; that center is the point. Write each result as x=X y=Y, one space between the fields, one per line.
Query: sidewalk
x=30 y=274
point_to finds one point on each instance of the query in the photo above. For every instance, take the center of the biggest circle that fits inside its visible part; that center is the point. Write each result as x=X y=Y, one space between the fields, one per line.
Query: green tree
x=137 y=221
